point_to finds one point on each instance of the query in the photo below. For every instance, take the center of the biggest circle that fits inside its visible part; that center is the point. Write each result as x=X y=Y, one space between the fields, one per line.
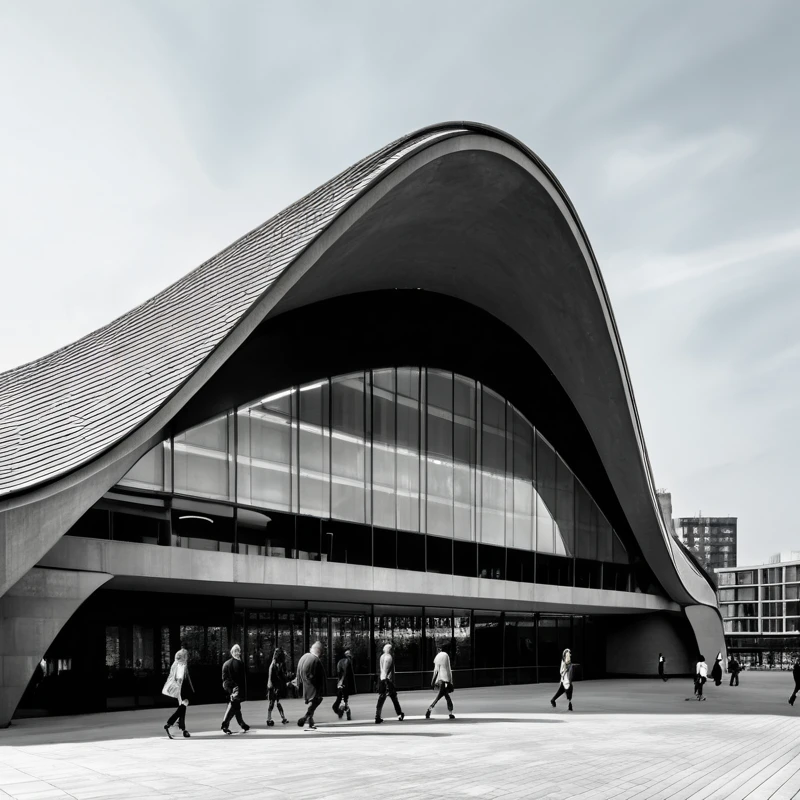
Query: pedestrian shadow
x=442 y=721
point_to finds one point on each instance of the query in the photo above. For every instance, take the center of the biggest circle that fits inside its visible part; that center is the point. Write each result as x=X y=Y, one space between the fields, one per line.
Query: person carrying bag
x=179 y=687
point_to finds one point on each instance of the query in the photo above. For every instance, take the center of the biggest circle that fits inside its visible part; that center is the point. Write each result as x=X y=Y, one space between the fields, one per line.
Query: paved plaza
x=626 y=739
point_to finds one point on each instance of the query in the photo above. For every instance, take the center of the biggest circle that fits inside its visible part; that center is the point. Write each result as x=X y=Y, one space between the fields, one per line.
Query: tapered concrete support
x=32 y=613
x=707 y=626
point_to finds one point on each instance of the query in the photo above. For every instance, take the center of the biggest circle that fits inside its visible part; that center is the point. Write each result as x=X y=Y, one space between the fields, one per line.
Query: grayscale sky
x=137 y=139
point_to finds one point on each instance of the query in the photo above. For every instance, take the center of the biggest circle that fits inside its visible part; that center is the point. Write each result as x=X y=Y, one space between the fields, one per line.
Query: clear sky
x=137 y=139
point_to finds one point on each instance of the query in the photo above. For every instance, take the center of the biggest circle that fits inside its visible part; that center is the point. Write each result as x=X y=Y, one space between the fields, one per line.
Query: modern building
x=761 y=611
x=399 y=410
x=712 y=540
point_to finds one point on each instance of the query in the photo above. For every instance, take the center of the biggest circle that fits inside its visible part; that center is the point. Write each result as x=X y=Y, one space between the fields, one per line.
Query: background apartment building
x=760 y=607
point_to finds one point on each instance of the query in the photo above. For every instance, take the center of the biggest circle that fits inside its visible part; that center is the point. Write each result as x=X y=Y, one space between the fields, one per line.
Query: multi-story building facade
x=761 y=611
x=711 y=539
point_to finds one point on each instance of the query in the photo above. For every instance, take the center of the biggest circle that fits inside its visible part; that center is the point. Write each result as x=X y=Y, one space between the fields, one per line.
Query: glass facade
x=408 y=467
x=119 y=646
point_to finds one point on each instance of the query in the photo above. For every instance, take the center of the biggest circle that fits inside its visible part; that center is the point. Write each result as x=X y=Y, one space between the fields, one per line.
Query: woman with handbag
x=442 y=680
x=179 y=686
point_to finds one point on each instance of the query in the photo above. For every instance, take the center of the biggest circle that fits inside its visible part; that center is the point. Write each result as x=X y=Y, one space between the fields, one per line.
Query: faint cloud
x=642 y=159
x=650 y=272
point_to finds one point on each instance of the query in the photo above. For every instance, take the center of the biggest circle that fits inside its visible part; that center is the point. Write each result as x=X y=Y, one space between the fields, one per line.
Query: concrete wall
x=633 y=645
x=32 y=613
x=175 y=569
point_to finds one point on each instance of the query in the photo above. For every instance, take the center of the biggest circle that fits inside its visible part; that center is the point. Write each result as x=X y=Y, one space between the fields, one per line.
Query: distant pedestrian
x=311 y=678
x=234 y=682
x=796 y=676
x=565 y=684
x=276 y=685
x=700 y=677
x=442 y=680
x=386 y=685
x=345 y=685
x=734 y=667
x=716 y=670
x=179 y=686
x=661 y=666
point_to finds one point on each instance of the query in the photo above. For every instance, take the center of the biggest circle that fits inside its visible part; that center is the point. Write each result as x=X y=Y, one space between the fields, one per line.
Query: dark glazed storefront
x=117 y=652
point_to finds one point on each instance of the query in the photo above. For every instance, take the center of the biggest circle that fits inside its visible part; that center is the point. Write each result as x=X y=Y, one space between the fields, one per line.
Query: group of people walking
x=310 y=681
x=701 y=673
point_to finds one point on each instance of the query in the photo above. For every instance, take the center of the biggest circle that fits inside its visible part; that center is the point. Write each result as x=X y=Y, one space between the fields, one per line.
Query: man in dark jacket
x=311 y=677
x=345 y=686
x=734 y=668
x=234 y=682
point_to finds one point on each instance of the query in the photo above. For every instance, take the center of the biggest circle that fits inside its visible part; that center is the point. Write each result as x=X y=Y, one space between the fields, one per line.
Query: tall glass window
x=524 y=534
x=439 y=467
x=408 y=445
x=384 y=450
x=546 y=496
x=264 y=452
x=348 y=448
x=314 y=449
x=465 y=443
x=202 y=459
x=493 y=468
x=151 y=471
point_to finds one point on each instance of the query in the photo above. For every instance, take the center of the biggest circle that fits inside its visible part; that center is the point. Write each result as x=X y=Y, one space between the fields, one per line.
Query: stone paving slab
x=626 y=740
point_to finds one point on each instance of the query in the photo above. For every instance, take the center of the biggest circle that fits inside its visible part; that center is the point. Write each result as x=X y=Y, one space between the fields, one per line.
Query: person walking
x=796 y=676
x=179 y=686
x=565 y=684
x=716 y=670
x=442 y=680
x=386 y=685
x=734 y=667
x=662 y=662
x=311 y=677
x=276 y=685
x=700 y=677
x=234 y=682
x=345 y=686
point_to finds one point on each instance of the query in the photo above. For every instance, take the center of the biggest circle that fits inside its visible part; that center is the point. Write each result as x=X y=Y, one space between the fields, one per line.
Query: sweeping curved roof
x=63 y=410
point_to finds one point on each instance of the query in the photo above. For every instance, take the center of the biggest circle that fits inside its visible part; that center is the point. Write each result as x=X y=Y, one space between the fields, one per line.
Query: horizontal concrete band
x=172 y=569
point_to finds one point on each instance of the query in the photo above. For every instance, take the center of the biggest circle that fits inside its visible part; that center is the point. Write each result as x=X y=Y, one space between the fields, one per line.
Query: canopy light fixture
x=197 y=516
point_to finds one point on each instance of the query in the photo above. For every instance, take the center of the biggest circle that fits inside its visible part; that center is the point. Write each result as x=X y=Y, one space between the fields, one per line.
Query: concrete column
x=32 y=613
x=707 y=626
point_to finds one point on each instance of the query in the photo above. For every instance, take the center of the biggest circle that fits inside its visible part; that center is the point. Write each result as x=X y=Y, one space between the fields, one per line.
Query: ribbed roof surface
x=65 y=409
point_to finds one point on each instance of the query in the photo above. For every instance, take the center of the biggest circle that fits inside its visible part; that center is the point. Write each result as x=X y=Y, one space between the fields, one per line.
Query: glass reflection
x=349 y=448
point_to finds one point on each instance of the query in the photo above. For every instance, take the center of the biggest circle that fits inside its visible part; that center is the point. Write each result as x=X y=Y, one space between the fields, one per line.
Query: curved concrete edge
x=706 y=624
x=32 y=613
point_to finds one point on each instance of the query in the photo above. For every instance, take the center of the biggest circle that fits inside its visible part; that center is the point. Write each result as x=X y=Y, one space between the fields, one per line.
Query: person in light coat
x=442 y=680
x=311 y=677
x=565 y=684
x=386 y=685
x=179 y=686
